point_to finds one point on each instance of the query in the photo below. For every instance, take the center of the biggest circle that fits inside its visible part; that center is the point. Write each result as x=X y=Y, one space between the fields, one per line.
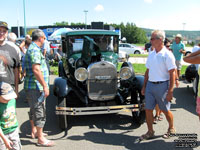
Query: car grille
x=102 y=81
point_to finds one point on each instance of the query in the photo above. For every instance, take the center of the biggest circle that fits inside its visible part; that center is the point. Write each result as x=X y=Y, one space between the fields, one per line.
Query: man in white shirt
x=159 y=83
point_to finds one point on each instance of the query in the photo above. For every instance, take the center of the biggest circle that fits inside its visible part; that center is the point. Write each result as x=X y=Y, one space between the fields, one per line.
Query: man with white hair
x=12 y=37
x=159 y=83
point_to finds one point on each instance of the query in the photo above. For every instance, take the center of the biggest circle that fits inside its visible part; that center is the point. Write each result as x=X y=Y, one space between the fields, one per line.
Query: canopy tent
x=56 y=35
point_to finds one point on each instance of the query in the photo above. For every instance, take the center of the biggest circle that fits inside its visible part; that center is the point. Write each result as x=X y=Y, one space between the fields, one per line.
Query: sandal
x=160 y=118
x=147 y=136
x=36 y=136
x=155 y=120
x=47 y=143
x=169 y=133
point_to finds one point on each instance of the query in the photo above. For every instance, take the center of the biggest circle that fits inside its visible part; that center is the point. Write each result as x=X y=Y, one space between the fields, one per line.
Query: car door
x=128 y=49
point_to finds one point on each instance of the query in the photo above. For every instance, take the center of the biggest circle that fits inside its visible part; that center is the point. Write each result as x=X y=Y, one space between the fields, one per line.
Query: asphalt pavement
x=113 y=131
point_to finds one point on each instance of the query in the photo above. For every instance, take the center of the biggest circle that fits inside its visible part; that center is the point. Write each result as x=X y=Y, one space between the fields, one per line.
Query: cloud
x=148 y=1
x=99 y=8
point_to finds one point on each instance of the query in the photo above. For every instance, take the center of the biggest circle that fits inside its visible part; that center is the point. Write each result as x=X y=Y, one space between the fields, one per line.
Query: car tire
x=187 y=53
x=62 y=119
x=138 y=116
x=137 y=52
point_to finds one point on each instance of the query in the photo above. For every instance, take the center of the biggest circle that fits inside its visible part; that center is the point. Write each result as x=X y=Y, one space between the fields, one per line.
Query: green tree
x=77 y=24
x=130 y=31
x=63 y=23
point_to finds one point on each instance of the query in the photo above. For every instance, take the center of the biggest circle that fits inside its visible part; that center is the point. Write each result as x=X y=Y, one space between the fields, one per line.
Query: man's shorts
x=178 y=64
x=37 y=109
x=14 y=137
x=156 y=94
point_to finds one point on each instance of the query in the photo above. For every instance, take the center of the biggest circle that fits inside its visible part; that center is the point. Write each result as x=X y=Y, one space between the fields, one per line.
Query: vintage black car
x=91 y=81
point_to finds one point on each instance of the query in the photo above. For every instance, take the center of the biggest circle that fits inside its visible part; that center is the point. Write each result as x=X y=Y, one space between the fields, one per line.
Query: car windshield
x=104 y=42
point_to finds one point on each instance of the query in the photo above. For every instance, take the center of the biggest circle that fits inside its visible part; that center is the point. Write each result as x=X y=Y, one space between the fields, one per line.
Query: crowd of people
x=163 y=72
x=31 y=53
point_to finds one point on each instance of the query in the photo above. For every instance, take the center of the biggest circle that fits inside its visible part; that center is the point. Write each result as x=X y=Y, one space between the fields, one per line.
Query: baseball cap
x=179 y=36
x=6 y=91
x=3 y=24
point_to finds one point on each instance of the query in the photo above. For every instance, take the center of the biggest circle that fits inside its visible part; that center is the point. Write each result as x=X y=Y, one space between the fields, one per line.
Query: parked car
x=130 y=48
x=147 y=46
x=188 y=51
x=123 y=56
x=191 y=76
x=89 y=82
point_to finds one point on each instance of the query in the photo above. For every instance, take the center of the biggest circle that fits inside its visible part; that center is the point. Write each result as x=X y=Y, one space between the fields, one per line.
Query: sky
x=153 y=14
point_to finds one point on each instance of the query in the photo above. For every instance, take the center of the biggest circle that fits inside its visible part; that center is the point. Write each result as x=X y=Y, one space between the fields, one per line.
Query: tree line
x=130 y=31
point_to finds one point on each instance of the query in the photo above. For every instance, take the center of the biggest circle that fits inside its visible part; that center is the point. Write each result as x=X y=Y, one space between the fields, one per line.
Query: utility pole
x=184 y=26
x=85 y=11
x=24 y=18
x=18 y=27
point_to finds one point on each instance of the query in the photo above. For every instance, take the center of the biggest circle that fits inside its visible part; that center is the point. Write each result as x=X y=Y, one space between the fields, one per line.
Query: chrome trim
x=101 y=62
x=97 y=110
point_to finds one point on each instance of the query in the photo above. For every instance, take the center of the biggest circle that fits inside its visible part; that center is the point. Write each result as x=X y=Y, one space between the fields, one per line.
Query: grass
x=138 y=68
x=138 y=55
x=141 y=68
x=54 y=70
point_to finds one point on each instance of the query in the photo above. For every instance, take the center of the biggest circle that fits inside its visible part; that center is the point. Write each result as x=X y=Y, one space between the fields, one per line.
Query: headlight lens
x=125 y=73
x=81 y=74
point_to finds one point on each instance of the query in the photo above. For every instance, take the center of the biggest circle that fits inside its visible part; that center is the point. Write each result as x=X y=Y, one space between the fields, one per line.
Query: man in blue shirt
x=178 y=48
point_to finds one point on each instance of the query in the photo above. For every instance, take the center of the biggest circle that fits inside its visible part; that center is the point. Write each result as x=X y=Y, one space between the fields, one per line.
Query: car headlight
x=81 y=74
x=125 y=73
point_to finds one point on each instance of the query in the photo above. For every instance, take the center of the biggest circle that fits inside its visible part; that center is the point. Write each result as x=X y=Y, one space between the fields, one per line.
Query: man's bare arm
x=38 y=74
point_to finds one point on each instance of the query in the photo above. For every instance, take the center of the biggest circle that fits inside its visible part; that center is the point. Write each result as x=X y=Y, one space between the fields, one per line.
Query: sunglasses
x=154 y=39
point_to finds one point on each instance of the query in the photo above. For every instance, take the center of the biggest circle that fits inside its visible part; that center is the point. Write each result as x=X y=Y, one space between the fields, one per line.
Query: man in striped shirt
x=36 y=84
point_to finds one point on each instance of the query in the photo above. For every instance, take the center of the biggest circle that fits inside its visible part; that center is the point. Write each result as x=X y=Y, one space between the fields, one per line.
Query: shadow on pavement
x=127 y=141
x=184 y=99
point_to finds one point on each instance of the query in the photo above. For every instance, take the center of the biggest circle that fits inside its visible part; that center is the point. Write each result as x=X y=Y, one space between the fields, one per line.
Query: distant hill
x=187 y=35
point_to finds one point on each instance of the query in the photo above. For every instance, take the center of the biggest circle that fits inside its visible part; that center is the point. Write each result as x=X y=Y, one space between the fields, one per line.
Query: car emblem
x=102 y=77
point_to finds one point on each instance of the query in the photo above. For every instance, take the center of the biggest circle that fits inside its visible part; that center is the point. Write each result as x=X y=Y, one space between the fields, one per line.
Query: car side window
x=128 y=46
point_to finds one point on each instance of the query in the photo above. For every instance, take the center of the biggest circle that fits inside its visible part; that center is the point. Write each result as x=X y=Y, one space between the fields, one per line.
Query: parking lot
x=114 y=131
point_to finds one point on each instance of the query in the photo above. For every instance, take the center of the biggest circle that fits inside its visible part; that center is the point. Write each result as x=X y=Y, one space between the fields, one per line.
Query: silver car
x=130 y=48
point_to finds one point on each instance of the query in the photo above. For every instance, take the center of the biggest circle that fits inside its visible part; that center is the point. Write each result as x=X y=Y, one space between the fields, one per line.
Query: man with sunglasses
x=159 y=83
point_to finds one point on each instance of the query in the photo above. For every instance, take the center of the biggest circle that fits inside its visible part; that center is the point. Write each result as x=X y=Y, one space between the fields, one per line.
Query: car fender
x=61 y=71
x=140 y=80
x=60 y=87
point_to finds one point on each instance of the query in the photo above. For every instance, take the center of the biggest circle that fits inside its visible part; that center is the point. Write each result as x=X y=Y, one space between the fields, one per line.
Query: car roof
x=90 y=32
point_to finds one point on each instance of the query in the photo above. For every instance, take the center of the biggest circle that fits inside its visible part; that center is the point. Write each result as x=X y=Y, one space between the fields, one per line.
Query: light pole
x=184 y=26
x=24 y=18
x=85 y=11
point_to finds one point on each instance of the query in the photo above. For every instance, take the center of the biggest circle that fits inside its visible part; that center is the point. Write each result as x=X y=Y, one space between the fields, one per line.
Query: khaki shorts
x=178 y=64
x=37 y=109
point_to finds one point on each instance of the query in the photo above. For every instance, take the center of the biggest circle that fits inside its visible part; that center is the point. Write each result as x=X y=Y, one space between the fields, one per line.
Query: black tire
x=137 y=52
x=187 y=53
x=138 y=116
x=62 y=119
